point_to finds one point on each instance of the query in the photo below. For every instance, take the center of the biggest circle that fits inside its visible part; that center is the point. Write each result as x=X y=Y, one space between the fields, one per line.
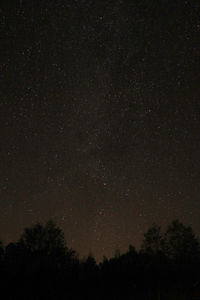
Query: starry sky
x=100 y=118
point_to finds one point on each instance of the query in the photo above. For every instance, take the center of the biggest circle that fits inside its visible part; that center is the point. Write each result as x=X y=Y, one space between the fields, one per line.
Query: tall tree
x=181 y=242
x=153 y=242
x=46 y=241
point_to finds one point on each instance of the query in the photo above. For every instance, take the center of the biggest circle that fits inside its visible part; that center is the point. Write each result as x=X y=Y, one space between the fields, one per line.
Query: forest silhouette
x=41 y=266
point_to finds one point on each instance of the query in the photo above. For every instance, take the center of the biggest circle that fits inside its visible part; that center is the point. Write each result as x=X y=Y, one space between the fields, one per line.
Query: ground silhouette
x=41 y=266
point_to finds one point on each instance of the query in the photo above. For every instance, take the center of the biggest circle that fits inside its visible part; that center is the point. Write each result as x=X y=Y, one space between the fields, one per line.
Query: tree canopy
x=41 y=260
x=47 y=238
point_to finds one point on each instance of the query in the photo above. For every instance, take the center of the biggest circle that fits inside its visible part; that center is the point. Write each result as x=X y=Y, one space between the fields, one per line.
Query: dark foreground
x=40 y=266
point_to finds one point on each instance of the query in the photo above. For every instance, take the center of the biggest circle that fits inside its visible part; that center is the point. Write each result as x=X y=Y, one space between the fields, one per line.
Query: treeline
x=41 y=266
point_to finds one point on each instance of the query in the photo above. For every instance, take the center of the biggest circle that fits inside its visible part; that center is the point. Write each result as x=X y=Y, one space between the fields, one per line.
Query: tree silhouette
x=182 y=250
x=46 y=240
x=153 y=242
x=90 y=263
x=40 y=266
x=180 y=242
x=39 y=259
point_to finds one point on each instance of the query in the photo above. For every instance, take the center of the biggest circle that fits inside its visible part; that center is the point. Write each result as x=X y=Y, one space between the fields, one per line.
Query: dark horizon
x=40 y=265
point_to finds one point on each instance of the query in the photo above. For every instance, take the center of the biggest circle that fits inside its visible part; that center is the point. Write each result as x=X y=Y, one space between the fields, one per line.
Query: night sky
x=99 y=118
